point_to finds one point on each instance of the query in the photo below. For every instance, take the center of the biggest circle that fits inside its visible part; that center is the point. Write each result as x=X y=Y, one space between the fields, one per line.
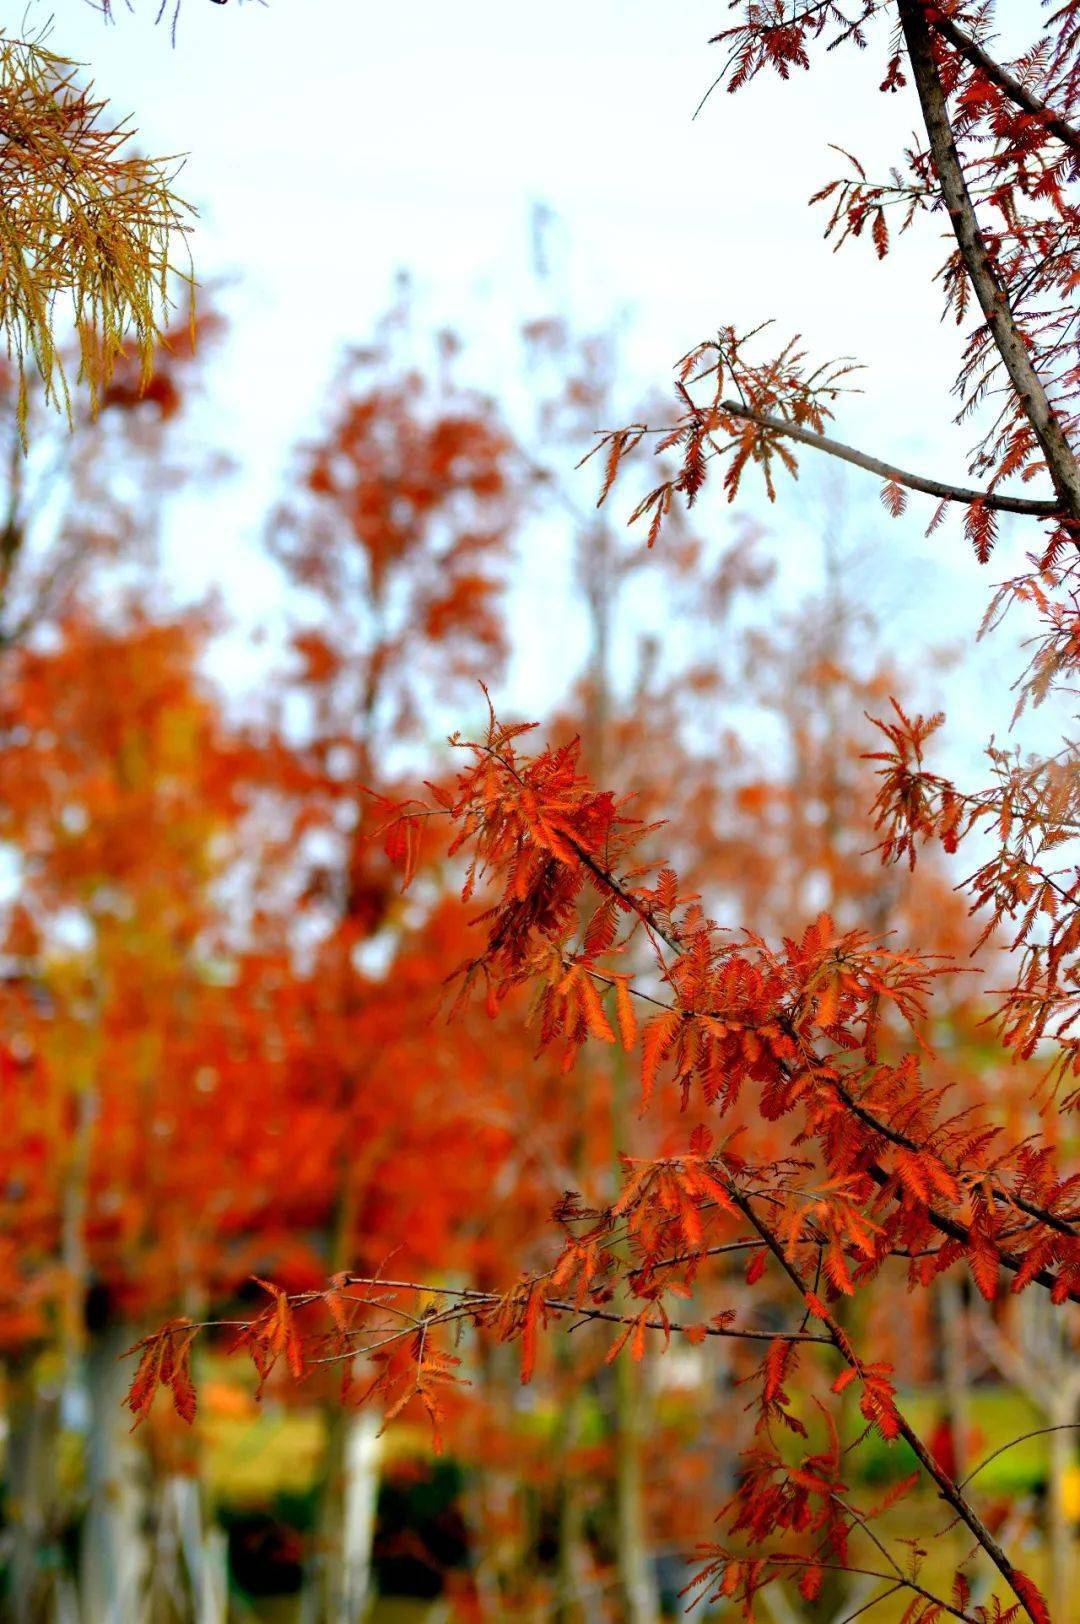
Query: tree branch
x=1007 y=83
x=888 y=470
x=1036 y=1432
x=1040 y=1214
x=948 y=1490
x=945 y=1225
x=956 y=1231
x=475 y=1300
x=993 y=299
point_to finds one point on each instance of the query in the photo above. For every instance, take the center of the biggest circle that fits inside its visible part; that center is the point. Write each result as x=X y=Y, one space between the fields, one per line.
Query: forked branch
x=1006 y=82
x=991 y=294
x=950 y=1492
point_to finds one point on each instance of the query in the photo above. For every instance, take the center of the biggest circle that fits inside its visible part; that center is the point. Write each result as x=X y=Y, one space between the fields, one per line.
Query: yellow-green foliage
x=89 y=229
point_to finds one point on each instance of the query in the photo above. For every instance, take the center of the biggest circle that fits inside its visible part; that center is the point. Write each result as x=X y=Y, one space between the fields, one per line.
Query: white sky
x=333 y=142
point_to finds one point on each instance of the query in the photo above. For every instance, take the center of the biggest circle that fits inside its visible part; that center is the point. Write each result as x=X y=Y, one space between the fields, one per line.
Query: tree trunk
x=338 y=1590
x=30 y=1495
x=640 y=1600
x=318 y=1603
x=214 y=1596
x=1060 y=1553
x=362 y=1451
x=576 y=1601
x=955 y=1368
x=190 y=1577
x=190 y=1560
x=636 y=1578
x=114 y=1565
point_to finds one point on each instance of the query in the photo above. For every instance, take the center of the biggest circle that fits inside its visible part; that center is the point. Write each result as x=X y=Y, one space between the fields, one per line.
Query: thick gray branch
x=1060 y=461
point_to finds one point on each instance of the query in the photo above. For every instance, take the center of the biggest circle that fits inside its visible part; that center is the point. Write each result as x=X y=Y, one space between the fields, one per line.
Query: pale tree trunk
x=169 y=1590
x=338 y=1571
x=1061 y=1537
x=30 y=1495
x=114 y=1552
x=190 y=1576
x=636 y=1578
x=321 y=1586
x=67 y=1602
x=214 y=1598
x=640 y=1602
x=361 y=1493
x=114 y=1565
x=577 y=1601
x=339 y=1584
x=502 y=1512
x=778 y=1606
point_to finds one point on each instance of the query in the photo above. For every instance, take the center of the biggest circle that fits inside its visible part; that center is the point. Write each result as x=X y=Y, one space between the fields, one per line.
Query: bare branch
x=1036 y=1432
x=480 y=1299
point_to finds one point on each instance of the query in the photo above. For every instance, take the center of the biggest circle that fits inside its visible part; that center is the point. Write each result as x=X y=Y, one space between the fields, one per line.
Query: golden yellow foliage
x=88 y=228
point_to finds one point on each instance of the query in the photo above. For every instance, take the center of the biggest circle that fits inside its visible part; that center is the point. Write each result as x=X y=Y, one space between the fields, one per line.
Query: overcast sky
x=333 y=142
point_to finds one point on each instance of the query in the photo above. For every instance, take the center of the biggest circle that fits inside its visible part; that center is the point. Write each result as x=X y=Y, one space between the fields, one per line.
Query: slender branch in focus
x=1006 y=82
x=887 y=470
x=992 y=296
